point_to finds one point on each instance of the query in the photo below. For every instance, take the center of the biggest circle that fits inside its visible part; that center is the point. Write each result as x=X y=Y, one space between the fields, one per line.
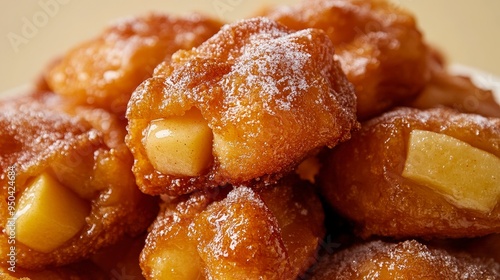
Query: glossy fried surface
x=270 y=96
x=77 y=155
x=377 y=43
x=103 y=72
x=239 y=233
x=363 y=178
x=404 y=260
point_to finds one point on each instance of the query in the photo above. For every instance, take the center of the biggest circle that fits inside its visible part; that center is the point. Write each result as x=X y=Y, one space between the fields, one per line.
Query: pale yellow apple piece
x=49 y=214
x=467 y=176
x=180 y=146
x=177 y=260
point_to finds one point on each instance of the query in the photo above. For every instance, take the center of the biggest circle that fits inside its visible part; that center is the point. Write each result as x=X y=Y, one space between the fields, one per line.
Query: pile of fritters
x=324 y=140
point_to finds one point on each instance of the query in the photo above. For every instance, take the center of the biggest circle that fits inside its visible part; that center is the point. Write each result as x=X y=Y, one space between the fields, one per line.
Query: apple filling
x=178 y=259
x=180 y=146
x=467 y=176
x=49 y=214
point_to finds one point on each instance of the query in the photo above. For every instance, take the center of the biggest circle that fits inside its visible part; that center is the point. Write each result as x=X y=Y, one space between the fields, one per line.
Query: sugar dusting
x=379 y=259
x=261 y=64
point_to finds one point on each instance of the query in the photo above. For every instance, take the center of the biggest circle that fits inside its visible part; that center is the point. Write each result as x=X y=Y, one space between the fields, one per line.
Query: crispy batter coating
x=455 y=91
x=404 y=260
x=377 y=43
x=71 y=150
x=270 y=96
x=104 y=71
x=270 y=233
x=363 y=178
x=113 y=127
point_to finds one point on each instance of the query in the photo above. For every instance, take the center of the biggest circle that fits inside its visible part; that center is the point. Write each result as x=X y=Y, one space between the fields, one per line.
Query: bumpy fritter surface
x=112 y=126
x=377 y=43
x=270 y=97
x=77 y=155
x=104 y=71
x=240 y=233
x=363 y=178
x=405 y=260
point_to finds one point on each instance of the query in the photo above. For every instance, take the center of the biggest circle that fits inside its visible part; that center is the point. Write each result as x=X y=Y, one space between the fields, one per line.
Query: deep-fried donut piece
x=73 y=191
x=271 y=233
x=104 y=71
x=377 y=43
x=257 y=99
x=413 y=173
x=404 y=260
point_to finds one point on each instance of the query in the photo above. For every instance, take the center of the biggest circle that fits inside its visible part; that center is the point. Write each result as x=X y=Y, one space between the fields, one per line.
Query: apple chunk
x=49 y=214
x=177 y=258
x=180 y=146
x=467 y=176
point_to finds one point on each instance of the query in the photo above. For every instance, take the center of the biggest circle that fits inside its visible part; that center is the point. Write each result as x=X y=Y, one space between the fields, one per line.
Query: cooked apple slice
x=178 y=257
x=49 y=214
x=467 y=176
x=180 y=146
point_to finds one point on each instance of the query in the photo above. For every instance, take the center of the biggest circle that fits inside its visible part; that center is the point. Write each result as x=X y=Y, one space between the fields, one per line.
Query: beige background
x=34 y=32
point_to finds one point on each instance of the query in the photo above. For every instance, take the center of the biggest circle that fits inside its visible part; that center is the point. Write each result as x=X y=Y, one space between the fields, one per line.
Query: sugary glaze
x=69 y=149
x=240 y=233
x=363 y=178
x=404 y=260
x=270 y=96
x=104 y=71
x=377 y=43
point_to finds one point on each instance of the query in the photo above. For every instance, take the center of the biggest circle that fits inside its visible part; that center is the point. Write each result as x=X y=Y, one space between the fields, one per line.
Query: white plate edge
x=480 y=78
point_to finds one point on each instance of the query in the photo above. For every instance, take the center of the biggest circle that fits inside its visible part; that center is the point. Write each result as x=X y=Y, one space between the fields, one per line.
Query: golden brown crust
x=377 y=43
x=271 y=97
x=104 y=71
x=405 y=260
x=37 y=140
x=271 y=233
x=362 y=178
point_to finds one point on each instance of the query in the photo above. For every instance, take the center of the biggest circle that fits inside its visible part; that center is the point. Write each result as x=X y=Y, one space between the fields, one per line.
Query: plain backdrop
x=35 y=32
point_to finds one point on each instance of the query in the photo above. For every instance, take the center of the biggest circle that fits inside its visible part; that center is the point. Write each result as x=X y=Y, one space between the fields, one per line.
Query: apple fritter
x=404 y=260
x=246 y=106
x=414 y=173
x=72 y=193
x=103 y=72
x=240 y=233
x=378 y=44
